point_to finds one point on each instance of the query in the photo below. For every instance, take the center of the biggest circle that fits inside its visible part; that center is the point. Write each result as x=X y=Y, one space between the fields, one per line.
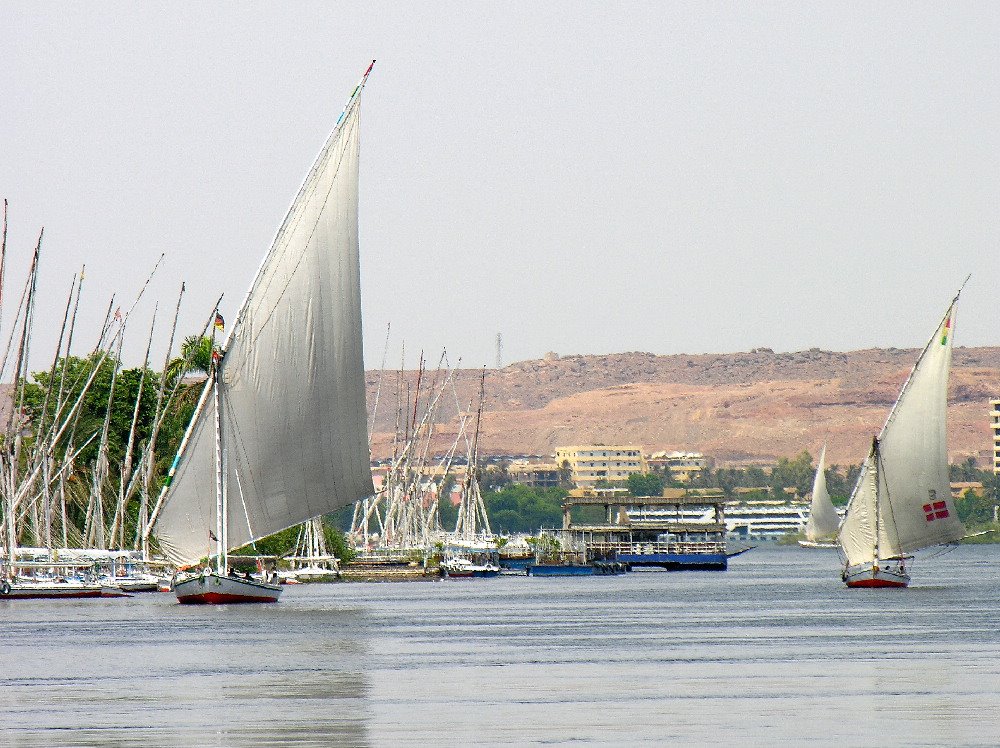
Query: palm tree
x=196 y=357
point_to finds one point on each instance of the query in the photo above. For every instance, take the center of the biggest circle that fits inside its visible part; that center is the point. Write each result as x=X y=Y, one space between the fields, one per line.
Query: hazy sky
x=582 y=177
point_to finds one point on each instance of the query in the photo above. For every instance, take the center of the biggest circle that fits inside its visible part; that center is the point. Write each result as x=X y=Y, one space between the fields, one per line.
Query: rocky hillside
x=740 y=407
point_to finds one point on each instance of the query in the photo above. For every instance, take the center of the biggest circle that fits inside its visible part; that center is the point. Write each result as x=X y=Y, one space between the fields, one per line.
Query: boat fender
x=5 y=588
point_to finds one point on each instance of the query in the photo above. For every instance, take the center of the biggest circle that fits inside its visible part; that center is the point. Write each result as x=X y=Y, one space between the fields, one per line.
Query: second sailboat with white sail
x=902 y=501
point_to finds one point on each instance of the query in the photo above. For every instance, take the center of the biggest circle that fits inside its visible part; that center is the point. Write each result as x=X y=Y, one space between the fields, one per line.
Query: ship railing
x=649 y=549
x=385 y=555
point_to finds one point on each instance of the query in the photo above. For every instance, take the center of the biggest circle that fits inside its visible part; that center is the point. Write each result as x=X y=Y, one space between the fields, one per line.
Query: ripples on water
x=774 y=651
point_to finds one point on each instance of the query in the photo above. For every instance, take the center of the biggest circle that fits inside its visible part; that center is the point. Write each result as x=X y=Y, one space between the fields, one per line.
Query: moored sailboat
x=280 y=431
x=823 y=522
x=902 y=500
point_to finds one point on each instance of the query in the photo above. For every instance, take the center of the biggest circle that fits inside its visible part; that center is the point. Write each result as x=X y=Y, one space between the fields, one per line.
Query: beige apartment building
x=995 y=426
x=679 y=466
x=594 y=463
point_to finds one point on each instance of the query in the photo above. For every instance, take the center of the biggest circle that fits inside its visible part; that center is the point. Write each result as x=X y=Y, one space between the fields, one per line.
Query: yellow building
x=679 y=466
x=995 y=426
x=591 y=464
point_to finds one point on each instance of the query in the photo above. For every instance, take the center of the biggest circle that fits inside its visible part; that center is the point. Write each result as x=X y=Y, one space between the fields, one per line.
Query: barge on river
x=648 y=531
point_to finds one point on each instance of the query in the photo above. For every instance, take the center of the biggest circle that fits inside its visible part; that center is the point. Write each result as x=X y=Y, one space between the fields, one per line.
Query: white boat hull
x=461 y=568
x=52 y=590
x=308 y=574
x=213 y=589
x=877 y=574
x=818 y=544
x=134 y=582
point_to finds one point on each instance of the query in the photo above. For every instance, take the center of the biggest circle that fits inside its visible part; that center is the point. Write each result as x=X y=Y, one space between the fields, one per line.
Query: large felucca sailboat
x=280 y=431
x=902 y=500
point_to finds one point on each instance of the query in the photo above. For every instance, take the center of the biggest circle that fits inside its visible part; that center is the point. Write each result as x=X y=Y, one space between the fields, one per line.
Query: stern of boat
x=880 y=574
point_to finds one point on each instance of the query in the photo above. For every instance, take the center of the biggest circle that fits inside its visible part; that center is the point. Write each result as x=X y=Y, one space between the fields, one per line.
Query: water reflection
x=775 y=651
x=145 y=671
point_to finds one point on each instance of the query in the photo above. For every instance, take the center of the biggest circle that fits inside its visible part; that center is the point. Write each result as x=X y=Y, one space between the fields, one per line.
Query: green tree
x=283 y=543
x=964 y=472
x=50 y=396
x=196 y=357
x=645 y=484
x=796 y=473
x=447 y=512
x=41 y=396
x=565 y=475
x=495 y=477
x=754 y=476
x=518 y=508
x=974 y=510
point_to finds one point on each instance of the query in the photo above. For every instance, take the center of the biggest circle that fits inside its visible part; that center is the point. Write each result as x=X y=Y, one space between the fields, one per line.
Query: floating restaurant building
x=680 y=529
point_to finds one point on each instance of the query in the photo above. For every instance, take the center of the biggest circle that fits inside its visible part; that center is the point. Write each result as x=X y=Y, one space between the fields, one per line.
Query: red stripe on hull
x=222 y=598
x=875 y=583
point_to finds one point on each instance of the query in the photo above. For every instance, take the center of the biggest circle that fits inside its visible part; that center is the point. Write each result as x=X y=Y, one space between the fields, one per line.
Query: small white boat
x=48 y=579
x=463 y=567
x=131 y=578
x=818 y=544
x=134 y=582
x=58 y=588
x=308 y=574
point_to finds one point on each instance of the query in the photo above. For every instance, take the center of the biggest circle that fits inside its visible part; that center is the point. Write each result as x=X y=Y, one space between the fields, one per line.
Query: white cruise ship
x=745 y=520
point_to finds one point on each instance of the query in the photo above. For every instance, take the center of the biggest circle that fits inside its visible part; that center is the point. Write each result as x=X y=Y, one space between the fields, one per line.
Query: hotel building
x=598 y=462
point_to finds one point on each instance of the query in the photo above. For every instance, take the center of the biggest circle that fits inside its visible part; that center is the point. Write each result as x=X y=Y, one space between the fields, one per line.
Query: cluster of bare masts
x=403 y=518
x=61 y=486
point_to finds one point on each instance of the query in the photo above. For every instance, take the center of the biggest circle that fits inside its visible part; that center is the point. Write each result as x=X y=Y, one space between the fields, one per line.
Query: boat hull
x=467 y=573
x=882 y=574
x=134 y=583
x=818 y=544
x=576 y=570
x=517 y=564
x=213 y=589
x=56 y=591
x=677 y=561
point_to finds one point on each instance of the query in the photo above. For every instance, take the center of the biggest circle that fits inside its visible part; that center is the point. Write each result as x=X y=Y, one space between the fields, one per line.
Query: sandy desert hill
x=738 y=408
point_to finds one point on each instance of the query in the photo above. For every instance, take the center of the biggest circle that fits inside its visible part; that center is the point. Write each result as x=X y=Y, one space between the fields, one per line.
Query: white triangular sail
x=823 y=521
x=903 y=490
x=294 y=425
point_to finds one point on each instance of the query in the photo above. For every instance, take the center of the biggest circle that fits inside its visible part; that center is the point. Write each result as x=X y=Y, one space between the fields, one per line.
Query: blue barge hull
x=575 y=570
x=677 y=561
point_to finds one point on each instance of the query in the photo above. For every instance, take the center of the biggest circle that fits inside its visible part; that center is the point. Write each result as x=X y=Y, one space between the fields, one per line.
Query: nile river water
x=775 y=651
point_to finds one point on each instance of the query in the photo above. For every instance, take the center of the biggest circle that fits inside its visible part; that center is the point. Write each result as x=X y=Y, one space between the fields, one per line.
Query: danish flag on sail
x=936 y=510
